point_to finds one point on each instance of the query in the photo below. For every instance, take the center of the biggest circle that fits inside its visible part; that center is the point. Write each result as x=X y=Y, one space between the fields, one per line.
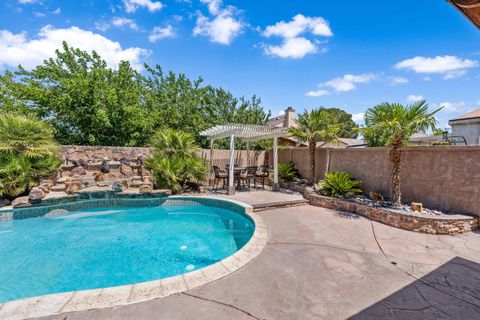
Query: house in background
x=288 y=120
x=468 y=127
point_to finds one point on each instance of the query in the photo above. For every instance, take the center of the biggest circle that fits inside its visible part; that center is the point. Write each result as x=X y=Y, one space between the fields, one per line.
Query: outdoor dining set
x=243 y=176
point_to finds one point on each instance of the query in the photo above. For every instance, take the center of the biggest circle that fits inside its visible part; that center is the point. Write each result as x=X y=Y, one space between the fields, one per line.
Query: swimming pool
x=106 y=247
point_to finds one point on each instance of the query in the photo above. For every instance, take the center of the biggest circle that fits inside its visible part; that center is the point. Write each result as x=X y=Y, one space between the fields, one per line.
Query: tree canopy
x=87 y=102
x=344 y=120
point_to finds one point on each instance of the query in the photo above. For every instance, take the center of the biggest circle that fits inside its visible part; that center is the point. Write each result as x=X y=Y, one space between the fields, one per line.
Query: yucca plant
x=28 y=152
x=339 y=183
x=174 y=162
x=287 y=171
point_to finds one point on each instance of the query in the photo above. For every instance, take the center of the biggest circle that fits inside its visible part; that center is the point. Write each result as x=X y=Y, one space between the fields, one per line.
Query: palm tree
x=396 y=123
x=28 y=152
x=174 y=162
x=316 y=125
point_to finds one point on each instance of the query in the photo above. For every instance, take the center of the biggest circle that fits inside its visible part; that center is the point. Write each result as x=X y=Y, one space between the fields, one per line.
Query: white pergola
x=247 y=133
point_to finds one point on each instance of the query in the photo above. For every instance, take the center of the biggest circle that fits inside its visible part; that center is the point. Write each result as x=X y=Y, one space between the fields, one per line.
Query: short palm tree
x=397 y=123
x=28 y=152
x=174 y=161
x=314 y=126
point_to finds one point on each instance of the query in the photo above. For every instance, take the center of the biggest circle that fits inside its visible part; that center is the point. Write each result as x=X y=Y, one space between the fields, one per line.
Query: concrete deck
x=261 y=199
x=322 y=264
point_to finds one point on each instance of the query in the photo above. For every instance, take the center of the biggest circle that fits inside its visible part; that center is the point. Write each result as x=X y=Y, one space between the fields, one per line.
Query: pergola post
x=231 y=187
x=212 y=174
x=276 y=185
x=248 y=154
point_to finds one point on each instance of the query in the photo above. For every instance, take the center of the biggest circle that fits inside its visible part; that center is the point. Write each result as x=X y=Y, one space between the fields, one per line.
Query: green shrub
x=28 y=153
x=287 y=171
x=174 y=161
x=339 y=184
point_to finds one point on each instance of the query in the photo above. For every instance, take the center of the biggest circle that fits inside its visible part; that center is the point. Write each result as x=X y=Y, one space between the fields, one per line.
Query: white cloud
x=132 y=5
x=19 y=49
x=57 y=11
x=344 y=83
x=159 y=33
x=348 y=81
x=318 y=93
x=294 y=48
x=102 y=26
x=298 y=25
x=293 y=45
x=27 y=1
x=213 y=6
x=450 y=66
x=358 y=117
x=120 y=22
x=394 y=81
x=223 y=28
x=453 y=107
x=414 y=98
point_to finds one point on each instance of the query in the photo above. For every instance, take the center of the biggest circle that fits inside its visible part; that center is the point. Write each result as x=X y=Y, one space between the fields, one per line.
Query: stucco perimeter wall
x=445 y=178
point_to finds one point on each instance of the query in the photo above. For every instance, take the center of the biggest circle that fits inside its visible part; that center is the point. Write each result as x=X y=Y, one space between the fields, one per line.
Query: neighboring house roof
x=345 y=141
x=467 y=116
x=469 y=8
x=276 y=121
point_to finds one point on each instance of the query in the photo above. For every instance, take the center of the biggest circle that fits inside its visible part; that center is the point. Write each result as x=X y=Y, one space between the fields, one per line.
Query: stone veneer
x=451 y=224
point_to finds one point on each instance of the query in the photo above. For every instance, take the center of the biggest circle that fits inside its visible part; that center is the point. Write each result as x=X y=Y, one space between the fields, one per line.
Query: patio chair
x=250 y=174
x=220 y=175
x=263 y=173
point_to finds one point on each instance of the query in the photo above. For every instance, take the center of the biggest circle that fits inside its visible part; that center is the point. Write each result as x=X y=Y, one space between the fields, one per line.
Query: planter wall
x=445 y=224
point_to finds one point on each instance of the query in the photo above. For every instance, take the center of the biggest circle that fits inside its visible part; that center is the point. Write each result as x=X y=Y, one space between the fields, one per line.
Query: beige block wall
x=445 y=178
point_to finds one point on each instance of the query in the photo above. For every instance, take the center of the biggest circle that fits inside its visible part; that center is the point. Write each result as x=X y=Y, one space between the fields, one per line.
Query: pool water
x=114 y=246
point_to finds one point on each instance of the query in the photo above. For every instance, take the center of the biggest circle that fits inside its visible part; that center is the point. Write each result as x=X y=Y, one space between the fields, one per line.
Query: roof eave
x=465 y=14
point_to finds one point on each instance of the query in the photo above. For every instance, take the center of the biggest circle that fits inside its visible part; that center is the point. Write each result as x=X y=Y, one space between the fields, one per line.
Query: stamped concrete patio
x=322 y=264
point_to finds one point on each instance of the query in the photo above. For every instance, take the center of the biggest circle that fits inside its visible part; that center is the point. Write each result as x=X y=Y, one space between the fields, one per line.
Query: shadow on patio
x=452 y=291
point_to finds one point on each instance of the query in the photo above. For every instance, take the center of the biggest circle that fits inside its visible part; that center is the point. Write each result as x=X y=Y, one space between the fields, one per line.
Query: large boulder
x=59 y=187
x=98 y=177
x=45 y=187
x=147 y=180
x=105 y=167
x=21 y=202
x=117 y=186
x=73 y=187
x=48 y=182
x=126 y=170
x=146 y=188
x=36 y=195
x=4 y=202
x=78 y=170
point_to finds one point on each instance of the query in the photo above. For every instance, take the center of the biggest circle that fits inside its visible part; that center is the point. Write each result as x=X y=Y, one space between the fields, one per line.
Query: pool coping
x=84 y=300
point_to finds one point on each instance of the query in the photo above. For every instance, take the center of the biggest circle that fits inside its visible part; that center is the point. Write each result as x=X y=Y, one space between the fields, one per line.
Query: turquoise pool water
x=114 y=246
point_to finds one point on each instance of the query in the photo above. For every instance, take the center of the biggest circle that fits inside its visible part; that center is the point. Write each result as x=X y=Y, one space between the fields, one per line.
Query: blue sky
x=291 y=52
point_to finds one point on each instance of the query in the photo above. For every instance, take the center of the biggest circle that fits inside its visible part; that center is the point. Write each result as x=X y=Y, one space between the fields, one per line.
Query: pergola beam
x=247 y=133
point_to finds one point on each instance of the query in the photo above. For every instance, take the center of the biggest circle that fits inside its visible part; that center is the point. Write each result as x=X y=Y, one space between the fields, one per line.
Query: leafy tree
x=394 y=124
x=314 y=126
x=89 y=103
x=348 y=127
x=174 y=161
x=28 y=152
